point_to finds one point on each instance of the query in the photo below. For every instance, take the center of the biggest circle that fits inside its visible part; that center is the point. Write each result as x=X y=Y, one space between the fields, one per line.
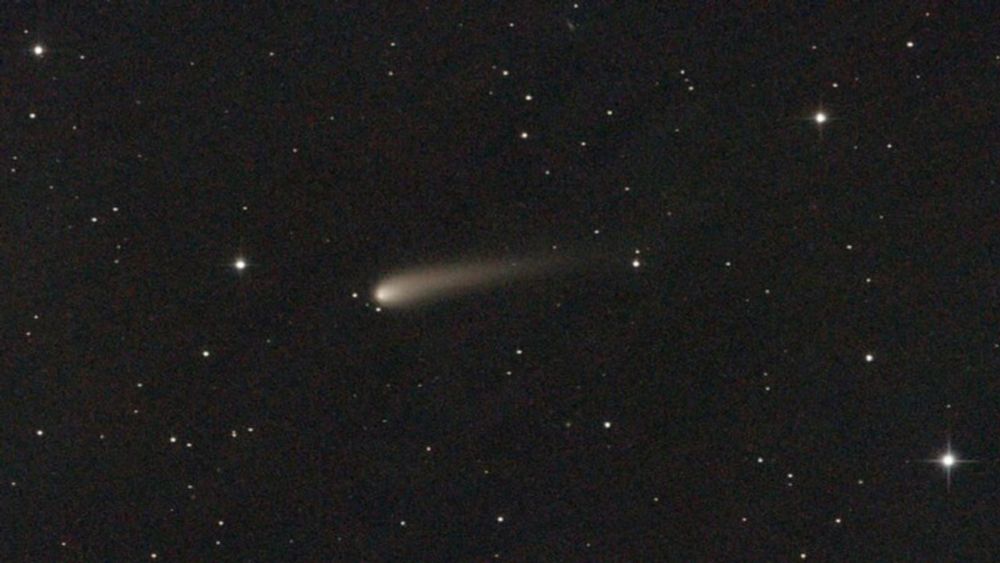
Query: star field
x=761 y=321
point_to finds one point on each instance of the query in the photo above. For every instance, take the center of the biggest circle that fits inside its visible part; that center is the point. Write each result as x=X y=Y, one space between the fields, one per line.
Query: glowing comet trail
x=433 y=283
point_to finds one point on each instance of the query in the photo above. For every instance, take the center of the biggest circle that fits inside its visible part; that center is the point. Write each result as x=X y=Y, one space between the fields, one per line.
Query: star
x=240 y=264
x=948 y=461
x=38 y=50
x=820 y=117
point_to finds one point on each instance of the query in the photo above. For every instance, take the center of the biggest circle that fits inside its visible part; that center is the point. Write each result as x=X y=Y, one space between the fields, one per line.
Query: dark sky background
x=776 y=327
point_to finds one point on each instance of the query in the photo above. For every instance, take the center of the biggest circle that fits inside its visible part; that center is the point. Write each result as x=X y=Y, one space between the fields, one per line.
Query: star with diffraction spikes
x=948 y=460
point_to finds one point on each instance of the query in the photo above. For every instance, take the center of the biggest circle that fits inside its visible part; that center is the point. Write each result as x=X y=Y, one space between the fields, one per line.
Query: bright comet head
x=383 y=295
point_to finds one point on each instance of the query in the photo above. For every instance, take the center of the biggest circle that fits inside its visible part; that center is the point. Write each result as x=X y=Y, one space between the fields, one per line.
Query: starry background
x=783 y=321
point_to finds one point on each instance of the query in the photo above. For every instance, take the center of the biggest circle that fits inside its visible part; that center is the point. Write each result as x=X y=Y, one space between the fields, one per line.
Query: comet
x=423 y=285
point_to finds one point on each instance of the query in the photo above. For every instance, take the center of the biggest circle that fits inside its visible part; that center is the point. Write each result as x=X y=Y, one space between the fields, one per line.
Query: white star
x=38 y=50
x=820 y=117
x=240 y=264
x=948 y=461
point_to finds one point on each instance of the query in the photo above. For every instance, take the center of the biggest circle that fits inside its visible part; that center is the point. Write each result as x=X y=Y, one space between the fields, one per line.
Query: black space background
x=326 y=172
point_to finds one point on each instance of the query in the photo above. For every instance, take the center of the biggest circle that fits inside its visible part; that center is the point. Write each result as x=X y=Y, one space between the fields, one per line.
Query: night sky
x=692 y=283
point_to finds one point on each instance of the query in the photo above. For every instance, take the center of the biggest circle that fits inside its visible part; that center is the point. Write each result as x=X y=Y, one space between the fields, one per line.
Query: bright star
x=38 y=50
x=949 y=461
x=820 y=117
x=240 y=264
